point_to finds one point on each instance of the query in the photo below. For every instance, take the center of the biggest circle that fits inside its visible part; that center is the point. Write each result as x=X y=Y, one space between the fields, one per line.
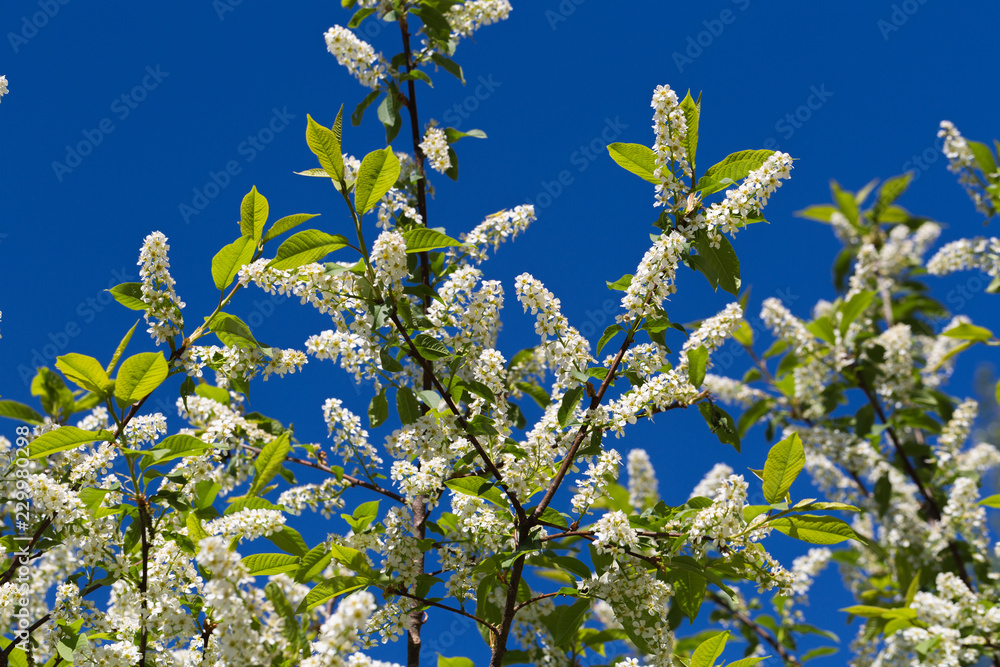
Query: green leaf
x=455 y=662
x=568 y=619
x=376 y=176
x=139 y=375
x=228 y=261
x=378 y=409
x=478 y=488
x=15 y=410
x=697 y=362
x=622 y=283
x=689 y=591
x=306 y=247
x=174 y=447
x=326 y=145
x=709 y=650
x=692 y=114
x=753 y=660
x=448 y=65
x=422 y=239
x=608 y=334
x=407 y=406
x=282 y=225
x=265 y=564
x=245 y=503
x=232 y=331
x=569 y=402
x=821 y=213
x=852 y=309
x=732 y=168
x=85 y=371
x=539 y=395
x=352 y=559
x=63 y=438
x=991 y=501
x=967 y=331
x=359 y=111
x=891 y=190
x=815 y=529
x=454 y=135
x=846 y=202
x=120 y=349
x=330 y=589
x=636 y=158
x=290 y=541
x=434 y=21
x=430 y=348
x=129 y=295
x=253 y=215
x=722 y=261
x=269 y=462
x=720 y=423
x=783 y=465
x=984 y=157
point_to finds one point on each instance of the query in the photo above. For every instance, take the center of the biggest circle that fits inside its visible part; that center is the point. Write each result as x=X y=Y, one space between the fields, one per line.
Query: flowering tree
x=127 y=540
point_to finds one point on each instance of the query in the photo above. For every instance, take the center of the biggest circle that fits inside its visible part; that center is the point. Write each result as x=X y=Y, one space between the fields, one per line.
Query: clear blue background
x=556 y=75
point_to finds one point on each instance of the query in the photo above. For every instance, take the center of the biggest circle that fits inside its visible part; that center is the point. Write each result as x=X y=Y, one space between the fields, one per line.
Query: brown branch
x=430 y=603
x=351 y=480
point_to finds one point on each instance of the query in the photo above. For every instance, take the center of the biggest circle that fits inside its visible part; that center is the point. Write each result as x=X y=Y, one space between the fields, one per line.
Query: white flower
x=356 y=55
x=654 y=279
x=642 y=482
x=467 y=17
x=3 y=85
x=497 y=228
x=671 y=158
x=435 y=147
x=163 y=312
x=962 y=161
x=614 y=534
x=976 y=253
x=389 y=258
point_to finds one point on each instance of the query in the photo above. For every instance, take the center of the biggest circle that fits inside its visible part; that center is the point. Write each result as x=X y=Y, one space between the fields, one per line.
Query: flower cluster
x=435 y=147
x=614 y=534
x=163 y=306
x=962 y=161
x=642 y=482
x=467 y=17
x=356 y=55
x=978 y=253
x=3 y=85
x=597 y=479
x=497 y=228
x=671 y=130
x=389 y=258
x=654 y=279
x=750 y=197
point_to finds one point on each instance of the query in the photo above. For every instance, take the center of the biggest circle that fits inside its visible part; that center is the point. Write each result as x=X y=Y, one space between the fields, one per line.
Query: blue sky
x=166 y=99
